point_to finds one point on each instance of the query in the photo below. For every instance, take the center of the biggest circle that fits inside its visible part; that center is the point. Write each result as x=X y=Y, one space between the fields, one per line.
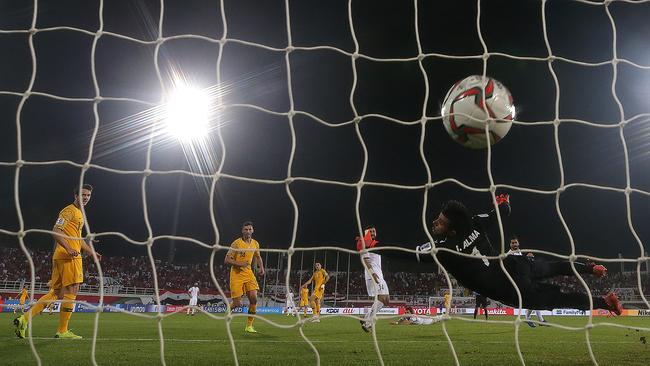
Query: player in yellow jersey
x=67 y=271
x=304 y=299
x=447 y=298
x=319 y=278
x=23 y=297
x=243 y=254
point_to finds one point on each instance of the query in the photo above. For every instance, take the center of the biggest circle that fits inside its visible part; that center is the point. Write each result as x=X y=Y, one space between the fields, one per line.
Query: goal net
x=324 y=118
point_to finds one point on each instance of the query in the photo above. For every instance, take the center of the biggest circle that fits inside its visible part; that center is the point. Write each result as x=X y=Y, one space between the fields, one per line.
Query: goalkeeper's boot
x=250 y=329
x=613 y=303
x=531 y=324
x=21 y=326
x=67 y=335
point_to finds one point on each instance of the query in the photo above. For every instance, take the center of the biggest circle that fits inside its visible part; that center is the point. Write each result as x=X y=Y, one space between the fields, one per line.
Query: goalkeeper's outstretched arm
x=489 y=219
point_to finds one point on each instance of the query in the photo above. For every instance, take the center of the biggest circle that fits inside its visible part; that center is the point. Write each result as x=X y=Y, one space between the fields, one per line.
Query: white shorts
x=291 y=305
x=376 y=289
x=193 y=301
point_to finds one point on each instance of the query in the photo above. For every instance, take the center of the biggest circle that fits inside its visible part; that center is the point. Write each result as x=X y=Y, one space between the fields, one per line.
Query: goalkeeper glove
x=503 y=198
x=503 y=202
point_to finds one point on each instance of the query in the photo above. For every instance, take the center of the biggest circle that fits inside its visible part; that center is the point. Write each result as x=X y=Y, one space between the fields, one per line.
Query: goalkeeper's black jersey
x=477 y=271
x=476 y=242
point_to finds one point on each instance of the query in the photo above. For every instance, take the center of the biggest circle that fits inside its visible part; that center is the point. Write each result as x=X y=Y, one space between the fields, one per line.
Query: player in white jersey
x=290 y=305
x=411 y=319
x=514 y=246
x=515 y=250
x=375 y=283
x=194 y=298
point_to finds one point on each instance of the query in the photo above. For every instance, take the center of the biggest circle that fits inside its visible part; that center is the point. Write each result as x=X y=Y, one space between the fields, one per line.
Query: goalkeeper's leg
x=545 y=269
x=547 y=296
x=538 y=295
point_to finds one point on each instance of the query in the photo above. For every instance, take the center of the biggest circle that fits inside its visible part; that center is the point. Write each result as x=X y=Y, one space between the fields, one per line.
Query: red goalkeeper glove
x=502 y=198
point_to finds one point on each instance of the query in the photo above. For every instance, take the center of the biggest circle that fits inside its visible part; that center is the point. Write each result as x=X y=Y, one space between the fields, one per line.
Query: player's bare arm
x=90 y=251
x=258 y=260
x=59 y=237
x=309 y=281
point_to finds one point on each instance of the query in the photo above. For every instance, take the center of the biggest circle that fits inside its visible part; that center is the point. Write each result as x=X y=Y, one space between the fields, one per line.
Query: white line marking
x=261 y=340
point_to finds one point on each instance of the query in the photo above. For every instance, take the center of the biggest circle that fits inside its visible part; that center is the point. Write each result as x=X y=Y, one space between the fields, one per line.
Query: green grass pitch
x=129 y=340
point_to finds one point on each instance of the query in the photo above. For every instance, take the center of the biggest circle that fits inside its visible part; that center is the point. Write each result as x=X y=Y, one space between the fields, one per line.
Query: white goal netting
x=212 y=169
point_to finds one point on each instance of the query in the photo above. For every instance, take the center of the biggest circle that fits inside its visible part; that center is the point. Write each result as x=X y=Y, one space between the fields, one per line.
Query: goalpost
x=355 y=56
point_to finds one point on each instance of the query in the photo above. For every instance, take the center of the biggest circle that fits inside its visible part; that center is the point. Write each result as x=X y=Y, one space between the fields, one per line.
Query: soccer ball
x=464 y=114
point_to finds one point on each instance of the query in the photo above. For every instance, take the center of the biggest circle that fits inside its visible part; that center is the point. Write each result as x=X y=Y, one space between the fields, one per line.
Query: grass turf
x=129 y=340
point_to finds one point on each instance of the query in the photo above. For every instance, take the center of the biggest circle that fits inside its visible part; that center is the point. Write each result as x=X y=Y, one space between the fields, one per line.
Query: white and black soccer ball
x=464 y=115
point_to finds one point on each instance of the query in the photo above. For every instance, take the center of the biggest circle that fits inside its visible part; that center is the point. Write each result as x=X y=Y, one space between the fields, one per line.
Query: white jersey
x=290 y=302
x=417 y=320
x=373 y=260
x=194 y=295
x=375 y=264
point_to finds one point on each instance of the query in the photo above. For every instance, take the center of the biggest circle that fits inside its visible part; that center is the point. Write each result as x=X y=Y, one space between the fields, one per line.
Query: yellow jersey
x=304 y=294
x=447 y=298
x=243 y=255
x=319 y=278
x=23 y=295
x=70 y=221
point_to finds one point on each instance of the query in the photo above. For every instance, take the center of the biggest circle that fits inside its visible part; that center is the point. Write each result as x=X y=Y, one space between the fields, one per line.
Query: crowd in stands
x=14 y=265
x=137 y=272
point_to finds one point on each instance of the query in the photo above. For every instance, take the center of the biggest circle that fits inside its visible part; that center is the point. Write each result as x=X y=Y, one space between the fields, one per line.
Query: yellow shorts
x=240 y=284
x=304 y=302
x=66 y=272
x=318 y=293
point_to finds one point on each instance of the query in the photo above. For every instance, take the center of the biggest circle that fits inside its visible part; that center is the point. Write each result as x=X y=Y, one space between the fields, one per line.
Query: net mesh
x=290 y=114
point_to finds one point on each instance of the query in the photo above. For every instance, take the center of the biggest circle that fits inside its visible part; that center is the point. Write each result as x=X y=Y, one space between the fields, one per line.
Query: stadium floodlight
x=187 y=112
